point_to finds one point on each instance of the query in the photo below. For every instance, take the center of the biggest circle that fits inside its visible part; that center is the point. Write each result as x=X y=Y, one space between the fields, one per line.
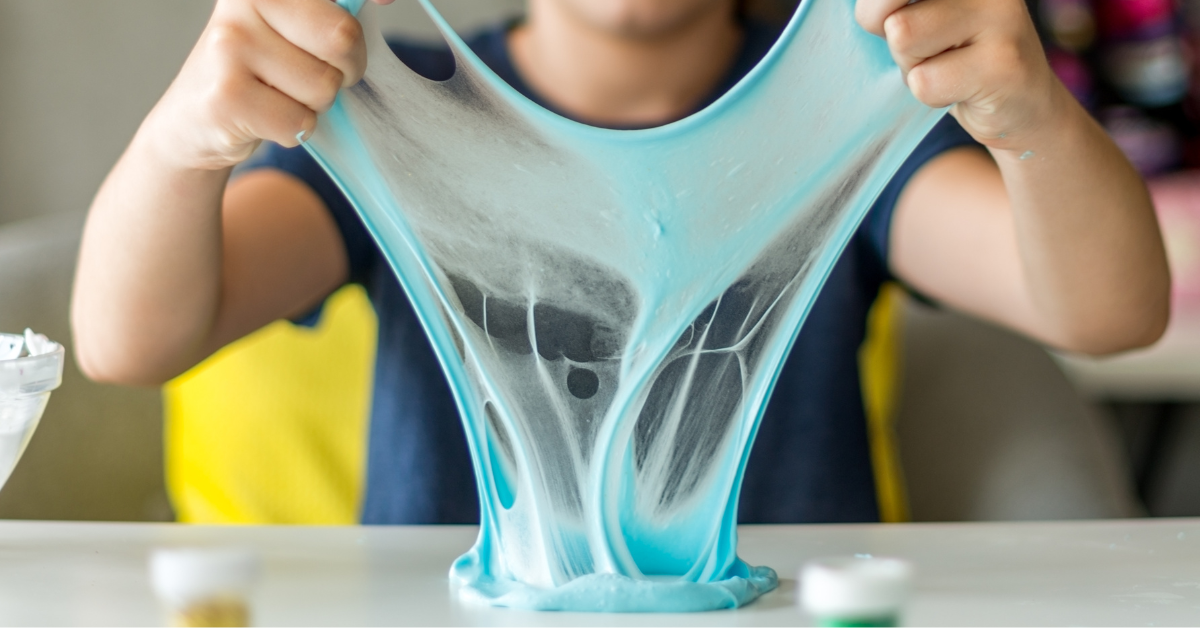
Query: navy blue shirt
x=810 y=461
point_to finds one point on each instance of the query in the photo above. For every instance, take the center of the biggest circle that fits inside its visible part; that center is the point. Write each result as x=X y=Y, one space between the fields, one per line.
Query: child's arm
x=1053 y=234
x=172 y=265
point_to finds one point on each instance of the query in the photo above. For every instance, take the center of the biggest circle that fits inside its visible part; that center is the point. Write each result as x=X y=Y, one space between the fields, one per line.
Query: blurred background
x=988 y=426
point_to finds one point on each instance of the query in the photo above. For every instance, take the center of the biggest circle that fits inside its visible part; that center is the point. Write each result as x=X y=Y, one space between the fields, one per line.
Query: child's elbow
x=1137 y=327
x=1137 y=336
x=105 y=360
x=105 y=368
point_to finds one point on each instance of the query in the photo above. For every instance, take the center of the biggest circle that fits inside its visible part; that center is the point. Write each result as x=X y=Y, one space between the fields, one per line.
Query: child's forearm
x=1091 y=253
x=1062 y=242
x=154 y=292
x=148 y=279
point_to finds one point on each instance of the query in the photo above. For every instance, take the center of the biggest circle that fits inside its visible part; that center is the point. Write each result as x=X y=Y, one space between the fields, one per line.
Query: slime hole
x=582 y=383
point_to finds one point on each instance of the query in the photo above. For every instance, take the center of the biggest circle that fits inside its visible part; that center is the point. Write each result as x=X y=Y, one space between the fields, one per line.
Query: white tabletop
x=1099 y=573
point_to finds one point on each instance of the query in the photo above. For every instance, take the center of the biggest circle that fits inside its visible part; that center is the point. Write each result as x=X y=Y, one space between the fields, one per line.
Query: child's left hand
x=981 y=56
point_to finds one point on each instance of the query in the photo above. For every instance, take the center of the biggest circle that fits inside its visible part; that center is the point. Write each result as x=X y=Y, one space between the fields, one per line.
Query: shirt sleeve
x=877 y=226
x=360 y=248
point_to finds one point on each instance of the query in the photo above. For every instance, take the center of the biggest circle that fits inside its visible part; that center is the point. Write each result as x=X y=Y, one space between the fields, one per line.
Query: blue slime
x=611 y=308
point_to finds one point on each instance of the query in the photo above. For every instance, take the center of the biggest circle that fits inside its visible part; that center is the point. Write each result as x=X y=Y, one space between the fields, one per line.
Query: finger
x=948 y=78
x=871 y=14
x=294 y=72
x=257 y=110
x=930 y=27
x=322 y=29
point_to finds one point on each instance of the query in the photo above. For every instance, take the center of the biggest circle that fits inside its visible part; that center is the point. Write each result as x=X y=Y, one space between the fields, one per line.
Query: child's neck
x=607 y=77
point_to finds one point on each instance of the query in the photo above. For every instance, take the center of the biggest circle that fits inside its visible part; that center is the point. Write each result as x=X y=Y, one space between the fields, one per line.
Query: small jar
x=205 y=586
x=855 y=591
x=31 y=366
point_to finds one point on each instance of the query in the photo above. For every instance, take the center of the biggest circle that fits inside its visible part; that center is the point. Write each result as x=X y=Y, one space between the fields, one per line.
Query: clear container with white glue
x=31 y=366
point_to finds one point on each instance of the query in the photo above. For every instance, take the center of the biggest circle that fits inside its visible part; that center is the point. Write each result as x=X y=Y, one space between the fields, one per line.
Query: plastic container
x=855 y=591
x=25 y=386
x=205 y=586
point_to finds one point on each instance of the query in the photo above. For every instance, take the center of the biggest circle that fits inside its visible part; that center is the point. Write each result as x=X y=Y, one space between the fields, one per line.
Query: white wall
x=77 y=76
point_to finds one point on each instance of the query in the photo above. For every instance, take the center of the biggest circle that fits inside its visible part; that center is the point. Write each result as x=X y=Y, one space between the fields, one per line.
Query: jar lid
x=855 y=587
x=186 y=575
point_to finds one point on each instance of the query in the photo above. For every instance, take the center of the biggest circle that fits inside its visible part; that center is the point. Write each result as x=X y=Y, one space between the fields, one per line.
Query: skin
x=645 y=63
x=1061 y=245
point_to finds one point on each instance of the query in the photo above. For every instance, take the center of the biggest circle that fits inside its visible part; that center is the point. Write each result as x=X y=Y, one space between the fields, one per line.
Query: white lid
x=181 y=576
x=38 y=372
x=855 y=586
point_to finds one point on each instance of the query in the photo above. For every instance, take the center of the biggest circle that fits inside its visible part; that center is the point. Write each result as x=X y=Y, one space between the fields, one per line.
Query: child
x=1017 y=209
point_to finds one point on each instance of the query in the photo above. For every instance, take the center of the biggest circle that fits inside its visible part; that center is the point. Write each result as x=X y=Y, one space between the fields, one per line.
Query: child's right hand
x=263 y=69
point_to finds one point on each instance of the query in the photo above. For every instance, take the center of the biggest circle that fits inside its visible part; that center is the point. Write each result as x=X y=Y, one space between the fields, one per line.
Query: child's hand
x=982 y=56
x=263 y=69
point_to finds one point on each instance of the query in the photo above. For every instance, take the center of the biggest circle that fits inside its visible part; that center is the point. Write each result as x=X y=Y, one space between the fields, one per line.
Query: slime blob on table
x=611 y=308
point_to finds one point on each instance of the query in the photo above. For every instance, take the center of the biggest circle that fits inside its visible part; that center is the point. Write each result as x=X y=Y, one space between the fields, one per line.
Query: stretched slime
x=611 y=308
